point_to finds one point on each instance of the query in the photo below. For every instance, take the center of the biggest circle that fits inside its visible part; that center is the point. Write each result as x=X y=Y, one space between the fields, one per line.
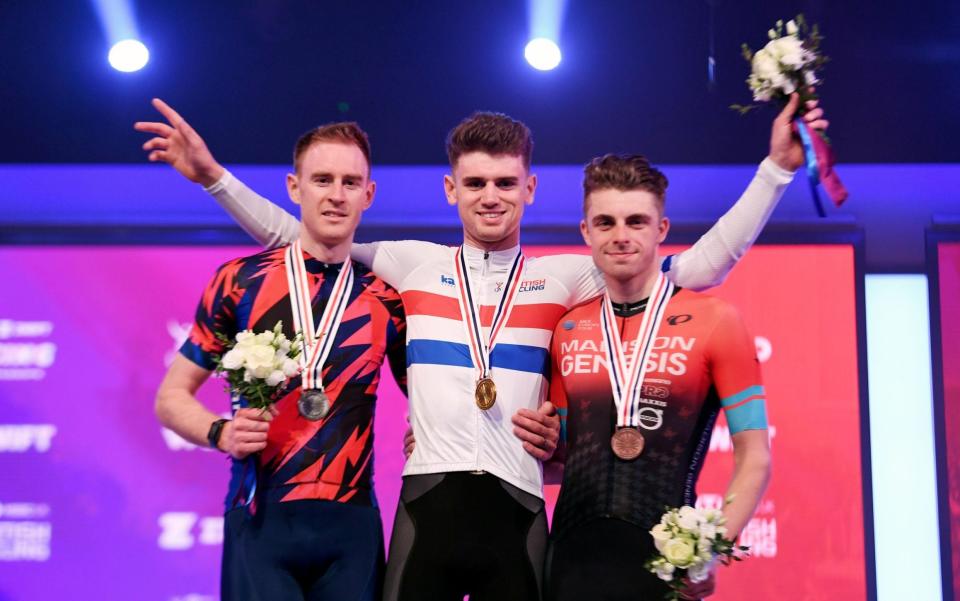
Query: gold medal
x=627 y=443
x=486 y=393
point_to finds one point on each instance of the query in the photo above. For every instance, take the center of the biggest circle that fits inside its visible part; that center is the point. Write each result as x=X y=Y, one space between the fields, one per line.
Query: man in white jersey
x=479 y=318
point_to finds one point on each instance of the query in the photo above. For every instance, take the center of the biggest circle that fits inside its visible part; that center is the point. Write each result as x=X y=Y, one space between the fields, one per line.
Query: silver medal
x=314 y=404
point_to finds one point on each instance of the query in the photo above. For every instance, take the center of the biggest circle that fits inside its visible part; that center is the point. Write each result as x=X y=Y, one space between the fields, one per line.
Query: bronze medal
x=627 y=443
x=486 y=393
x=314 y=404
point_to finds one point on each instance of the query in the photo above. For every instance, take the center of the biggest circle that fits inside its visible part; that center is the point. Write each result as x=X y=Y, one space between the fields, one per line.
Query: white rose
x=244 y=336
x=290 y=368
x=259 y=360
x=792 y=28
x=679 y=552
x=275 y=378
x=665 y=571
x=765 y=65
x=788 y=51
x=233 y=359
x=689 y=519
x=265 y=339
x=660 y=536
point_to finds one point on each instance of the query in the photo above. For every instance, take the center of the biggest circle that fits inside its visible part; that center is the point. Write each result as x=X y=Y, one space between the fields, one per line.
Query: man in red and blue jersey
x=301 y=517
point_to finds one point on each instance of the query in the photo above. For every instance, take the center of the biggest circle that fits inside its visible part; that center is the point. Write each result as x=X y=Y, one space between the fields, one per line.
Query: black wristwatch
x=216 y=429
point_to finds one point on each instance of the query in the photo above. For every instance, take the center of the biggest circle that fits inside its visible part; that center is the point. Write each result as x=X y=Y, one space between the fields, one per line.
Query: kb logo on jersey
x=447 y=280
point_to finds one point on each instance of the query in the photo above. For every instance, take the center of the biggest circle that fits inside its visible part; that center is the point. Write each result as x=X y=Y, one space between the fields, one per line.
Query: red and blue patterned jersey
x=332 y=458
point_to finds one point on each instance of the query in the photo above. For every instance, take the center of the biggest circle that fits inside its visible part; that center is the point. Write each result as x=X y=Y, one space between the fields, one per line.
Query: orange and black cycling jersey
x=702 y=360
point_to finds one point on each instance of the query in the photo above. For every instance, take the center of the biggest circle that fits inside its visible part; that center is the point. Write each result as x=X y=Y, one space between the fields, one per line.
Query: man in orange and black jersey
x=301 y=517
x=701 y=360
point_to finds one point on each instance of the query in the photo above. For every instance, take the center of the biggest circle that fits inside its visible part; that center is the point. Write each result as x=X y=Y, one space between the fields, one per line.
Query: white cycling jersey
x=452 y=433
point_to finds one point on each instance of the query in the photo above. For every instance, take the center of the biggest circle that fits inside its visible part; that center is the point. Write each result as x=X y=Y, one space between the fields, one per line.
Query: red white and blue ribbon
x=481 y=346
x=819 y=162
x=626 y=377
x=317 y=342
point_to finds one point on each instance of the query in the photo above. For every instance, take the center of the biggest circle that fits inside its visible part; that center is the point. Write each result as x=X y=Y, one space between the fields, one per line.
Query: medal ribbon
x=481 y=348
x=317 y=342
x=626 y=380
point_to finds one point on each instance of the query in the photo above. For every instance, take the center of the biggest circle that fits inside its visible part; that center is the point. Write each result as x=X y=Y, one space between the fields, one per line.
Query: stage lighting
x=128 y=56
x=542 y=54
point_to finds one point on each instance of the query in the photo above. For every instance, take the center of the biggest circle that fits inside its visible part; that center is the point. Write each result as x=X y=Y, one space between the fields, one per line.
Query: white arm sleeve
x=267 y=223
x=392 y=261
x=578 y=274
x=707 y=262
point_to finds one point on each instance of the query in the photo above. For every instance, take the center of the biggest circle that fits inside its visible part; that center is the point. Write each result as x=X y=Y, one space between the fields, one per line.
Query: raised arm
x=707 y=263
x=180 y=146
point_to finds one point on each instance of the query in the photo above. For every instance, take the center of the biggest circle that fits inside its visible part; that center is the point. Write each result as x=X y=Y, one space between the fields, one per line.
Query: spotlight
x=128 y=56
x=542 y=54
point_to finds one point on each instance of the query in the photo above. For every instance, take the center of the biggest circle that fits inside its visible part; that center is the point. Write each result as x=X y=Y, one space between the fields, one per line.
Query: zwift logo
x=182 y=530
x=22 y=438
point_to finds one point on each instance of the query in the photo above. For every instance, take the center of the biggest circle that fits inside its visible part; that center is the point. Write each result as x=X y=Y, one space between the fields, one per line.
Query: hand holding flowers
x=690 y=542
x=258 y=366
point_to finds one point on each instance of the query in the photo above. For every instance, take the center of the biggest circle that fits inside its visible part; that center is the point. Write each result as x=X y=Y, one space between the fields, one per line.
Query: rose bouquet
x=689 y=542
x=787 y=64
x=257 y=366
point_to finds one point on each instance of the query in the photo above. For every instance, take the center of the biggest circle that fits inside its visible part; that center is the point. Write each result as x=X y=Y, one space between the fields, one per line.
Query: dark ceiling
x=252 y=75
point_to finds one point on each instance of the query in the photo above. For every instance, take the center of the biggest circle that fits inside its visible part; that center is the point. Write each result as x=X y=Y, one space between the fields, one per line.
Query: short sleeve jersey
x=702 y=360
x=332 y=458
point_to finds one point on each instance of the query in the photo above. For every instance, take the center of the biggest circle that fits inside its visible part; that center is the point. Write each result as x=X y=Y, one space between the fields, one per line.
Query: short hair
x=491 y=133
x=344 y=132
x=623 y=172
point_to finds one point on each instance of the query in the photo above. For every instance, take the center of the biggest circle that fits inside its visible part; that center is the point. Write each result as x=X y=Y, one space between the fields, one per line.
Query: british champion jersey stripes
x=452 y=433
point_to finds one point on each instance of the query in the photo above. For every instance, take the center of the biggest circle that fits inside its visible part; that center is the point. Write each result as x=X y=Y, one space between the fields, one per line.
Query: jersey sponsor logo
x=668 y=356
x=447 y=280
x=676 y=320
x=650 y=418
x=533 y=285
x=22 y=438
x=568 y=325
x=182 y=530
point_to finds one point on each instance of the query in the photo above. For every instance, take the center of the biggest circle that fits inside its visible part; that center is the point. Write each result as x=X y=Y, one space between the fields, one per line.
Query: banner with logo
x=97 y=501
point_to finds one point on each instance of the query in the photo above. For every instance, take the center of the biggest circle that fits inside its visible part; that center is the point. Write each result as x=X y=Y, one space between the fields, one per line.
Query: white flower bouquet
x=258 y=366
x=787 y=64
x=689 y=542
